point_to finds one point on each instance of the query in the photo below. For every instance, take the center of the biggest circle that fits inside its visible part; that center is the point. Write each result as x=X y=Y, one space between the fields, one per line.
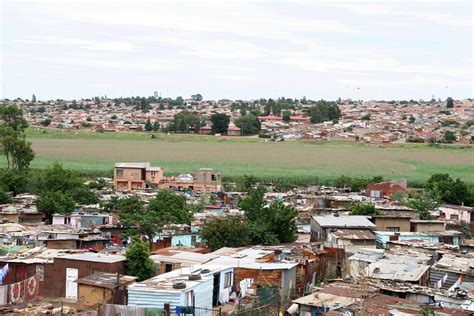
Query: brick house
x=388 y=188
x=133 y=175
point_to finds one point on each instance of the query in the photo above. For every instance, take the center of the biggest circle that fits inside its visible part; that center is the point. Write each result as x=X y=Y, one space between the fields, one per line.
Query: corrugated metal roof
x=343 y=221
x=456 y=264
x=95 y=257
x=368 y=255
x=107 y=280
x=250 y=264
x=354 y=234
x=386 y=269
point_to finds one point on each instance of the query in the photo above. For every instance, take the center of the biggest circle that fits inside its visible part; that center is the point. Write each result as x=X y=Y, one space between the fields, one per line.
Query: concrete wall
x=383 y=223
x=427 y=227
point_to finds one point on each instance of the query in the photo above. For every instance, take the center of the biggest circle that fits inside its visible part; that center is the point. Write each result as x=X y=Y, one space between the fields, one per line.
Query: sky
x=72 y=49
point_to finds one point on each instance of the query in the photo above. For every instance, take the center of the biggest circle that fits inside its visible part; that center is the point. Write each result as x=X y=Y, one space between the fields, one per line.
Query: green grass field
x=95 y=153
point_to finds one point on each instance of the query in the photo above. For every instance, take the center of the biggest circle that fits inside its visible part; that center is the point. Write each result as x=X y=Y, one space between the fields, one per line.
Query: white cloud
x=98 y=63
x=182 y=44
x=113 y=46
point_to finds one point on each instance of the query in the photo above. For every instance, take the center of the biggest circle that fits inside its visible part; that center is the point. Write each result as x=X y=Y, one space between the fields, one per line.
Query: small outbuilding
x=104 y=288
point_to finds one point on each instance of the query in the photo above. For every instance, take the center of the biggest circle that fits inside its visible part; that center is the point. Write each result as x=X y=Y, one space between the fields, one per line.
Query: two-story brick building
x=136 y=175
x=131 y=176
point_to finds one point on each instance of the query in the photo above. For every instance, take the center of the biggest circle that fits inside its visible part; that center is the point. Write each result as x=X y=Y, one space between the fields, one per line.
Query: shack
x=104 y=288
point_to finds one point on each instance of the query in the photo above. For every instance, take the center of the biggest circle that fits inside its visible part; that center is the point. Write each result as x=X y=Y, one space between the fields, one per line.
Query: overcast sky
x=237 y=49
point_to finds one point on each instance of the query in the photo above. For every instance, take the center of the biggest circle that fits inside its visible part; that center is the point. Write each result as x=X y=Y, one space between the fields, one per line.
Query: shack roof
x=164 y=282
x=354 y=234
x=387 y=269
x=325 y=299
x=250 y=264
x=456 y=264
x=37 y=255
x=107 y=280
x=438 y=233
x=183 y=257
x=343 y=221
x=94 y=257
x=368 y=255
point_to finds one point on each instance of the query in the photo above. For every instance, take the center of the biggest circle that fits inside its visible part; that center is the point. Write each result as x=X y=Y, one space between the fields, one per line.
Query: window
x=228 y=280
x=67 y=220
x=168 y=267
x=393 y=229
x=213 y=177
x=119 y=173
x=454 y=216
x=374 y=193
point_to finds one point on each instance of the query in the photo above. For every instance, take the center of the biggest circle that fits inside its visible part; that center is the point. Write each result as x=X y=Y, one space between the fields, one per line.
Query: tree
x=148 y=126
x=166 y=207
x=424 y=203
x=156 y=126
x=282 y=221
x=169 y=207
x=46 y=122
x=253 y=204
x=365 y=117
x=12 y=117
x=249 y=124
x=132 y=212
x=33 y=98
x=363 y=209
x=269 y=106
x=449 y=190
x=426 y=310
x=286 y=116
x=50 y=203
x=449 y=102
x=5 y=198
x=139 y=263
x=56 y=178
x=324 y=111
x=83 y=195
x=220 y=123
x=58 y=185
x=17 y=181
x=184 y=122
x=225 y=232
x=17 y=150
x=268 y=224
x=13 y=144
x=197 y=97
x=449 y=137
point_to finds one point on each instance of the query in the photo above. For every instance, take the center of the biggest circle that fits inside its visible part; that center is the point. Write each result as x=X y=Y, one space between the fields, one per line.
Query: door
x=215 y=289
x=71 y=285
